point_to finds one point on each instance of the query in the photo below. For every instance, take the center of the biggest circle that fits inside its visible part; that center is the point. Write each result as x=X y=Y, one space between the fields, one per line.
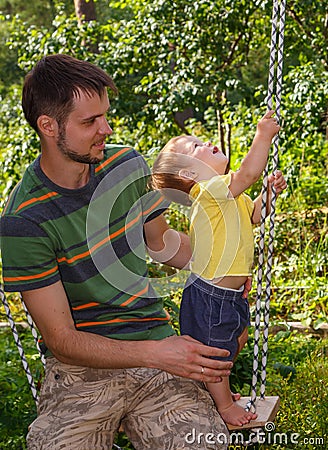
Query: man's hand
x=247 y=287
x=186 y=357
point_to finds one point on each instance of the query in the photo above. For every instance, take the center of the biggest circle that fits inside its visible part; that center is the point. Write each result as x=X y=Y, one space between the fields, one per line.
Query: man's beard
x=72 y=154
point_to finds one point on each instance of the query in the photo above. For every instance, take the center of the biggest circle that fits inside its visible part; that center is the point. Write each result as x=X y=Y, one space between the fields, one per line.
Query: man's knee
x=182 y=416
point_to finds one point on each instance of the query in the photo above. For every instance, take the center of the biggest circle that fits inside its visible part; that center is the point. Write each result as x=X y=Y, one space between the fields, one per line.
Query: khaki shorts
x=82 y=408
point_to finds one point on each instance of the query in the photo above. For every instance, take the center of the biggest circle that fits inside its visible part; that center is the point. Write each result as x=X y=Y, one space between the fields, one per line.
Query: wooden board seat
x=266 y=410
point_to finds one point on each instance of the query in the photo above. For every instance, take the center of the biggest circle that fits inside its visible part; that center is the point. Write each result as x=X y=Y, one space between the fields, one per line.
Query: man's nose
x=105 y=127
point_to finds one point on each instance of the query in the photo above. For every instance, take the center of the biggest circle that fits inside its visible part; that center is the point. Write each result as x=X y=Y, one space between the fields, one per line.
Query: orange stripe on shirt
x=100 y=243
x=108 y=238
x=153 y=206
x=127 y=302
x=87 y=324
x=138 y=294
x=37 y=199
x=109 y=160
x=88 y=305
x=31 y=277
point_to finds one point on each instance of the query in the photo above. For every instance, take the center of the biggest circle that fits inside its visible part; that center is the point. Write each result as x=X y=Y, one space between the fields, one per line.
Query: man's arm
x=179 y=355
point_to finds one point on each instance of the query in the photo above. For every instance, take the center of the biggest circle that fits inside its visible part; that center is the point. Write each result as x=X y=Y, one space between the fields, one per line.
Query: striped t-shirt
x=92 y=240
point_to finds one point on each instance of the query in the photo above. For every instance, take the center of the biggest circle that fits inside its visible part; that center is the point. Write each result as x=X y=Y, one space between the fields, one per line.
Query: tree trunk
x=224 y=129
x=85 y=10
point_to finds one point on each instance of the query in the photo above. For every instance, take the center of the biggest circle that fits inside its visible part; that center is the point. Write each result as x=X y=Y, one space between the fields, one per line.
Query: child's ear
x=187 y=174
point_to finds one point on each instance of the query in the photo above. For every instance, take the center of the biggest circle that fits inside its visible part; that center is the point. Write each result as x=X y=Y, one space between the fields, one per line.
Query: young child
x=213 y=309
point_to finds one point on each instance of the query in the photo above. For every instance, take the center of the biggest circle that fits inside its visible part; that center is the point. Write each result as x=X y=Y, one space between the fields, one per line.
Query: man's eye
x=89 y=121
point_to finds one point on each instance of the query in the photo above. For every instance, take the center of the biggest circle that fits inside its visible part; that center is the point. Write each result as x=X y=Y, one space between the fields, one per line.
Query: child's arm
x=279 y=184
x=255 y=161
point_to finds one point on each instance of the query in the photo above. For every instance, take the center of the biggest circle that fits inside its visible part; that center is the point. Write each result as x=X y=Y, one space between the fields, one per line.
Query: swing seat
x=266 y=410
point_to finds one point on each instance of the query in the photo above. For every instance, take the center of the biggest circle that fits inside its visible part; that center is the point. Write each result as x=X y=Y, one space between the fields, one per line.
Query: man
x=72 y=238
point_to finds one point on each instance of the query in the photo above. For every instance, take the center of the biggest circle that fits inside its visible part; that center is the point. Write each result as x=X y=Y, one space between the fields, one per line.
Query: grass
x=18 y=407
x=298 y=374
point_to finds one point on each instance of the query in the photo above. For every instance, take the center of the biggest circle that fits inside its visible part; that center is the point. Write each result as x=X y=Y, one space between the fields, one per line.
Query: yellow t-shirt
x=221 y=230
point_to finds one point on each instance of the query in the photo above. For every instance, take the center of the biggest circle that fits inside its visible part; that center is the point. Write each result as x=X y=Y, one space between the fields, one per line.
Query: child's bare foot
x=236 y=415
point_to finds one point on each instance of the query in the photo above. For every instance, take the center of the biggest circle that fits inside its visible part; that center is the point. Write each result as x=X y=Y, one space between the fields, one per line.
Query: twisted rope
x=19 y=346
x=275 y=74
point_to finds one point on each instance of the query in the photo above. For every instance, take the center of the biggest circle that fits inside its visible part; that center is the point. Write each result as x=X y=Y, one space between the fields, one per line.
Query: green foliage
x=9 y=70
x=241 y=373
x=300 y=267
x=310 y=25
x=297 y=373
x=67 y=36
x=173 y=61
x=18 y=407
x=304 y=134
x=304 y=401
x=19 y=145
x=38 y=12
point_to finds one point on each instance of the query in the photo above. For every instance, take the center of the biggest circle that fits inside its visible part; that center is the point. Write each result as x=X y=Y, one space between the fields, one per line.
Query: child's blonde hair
x=165 y=173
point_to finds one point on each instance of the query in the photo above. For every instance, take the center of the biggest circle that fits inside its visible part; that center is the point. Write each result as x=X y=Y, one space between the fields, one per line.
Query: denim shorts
x=214 y=316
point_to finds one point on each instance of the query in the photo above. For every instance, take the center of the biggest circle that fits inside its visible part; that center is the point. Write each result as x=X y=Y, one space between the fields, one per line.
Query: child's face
x=206 y=159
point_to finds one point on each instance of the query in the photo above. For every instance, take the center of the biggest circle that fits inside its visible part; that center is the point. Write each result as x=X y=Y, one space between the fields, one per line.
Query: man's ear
x=187 y=174
x=47 y=125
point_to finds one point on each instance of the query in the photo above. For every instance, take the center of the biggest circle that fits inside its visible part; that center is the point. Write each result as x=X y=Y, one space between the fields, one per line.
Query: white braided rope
x=275 y=74
x=19 y=346
x=275 y=162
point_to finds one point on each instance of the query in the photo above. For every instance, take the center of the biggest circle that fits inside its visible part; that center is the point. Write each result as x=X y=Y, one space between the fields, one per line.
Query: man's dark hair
x=53 y=83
